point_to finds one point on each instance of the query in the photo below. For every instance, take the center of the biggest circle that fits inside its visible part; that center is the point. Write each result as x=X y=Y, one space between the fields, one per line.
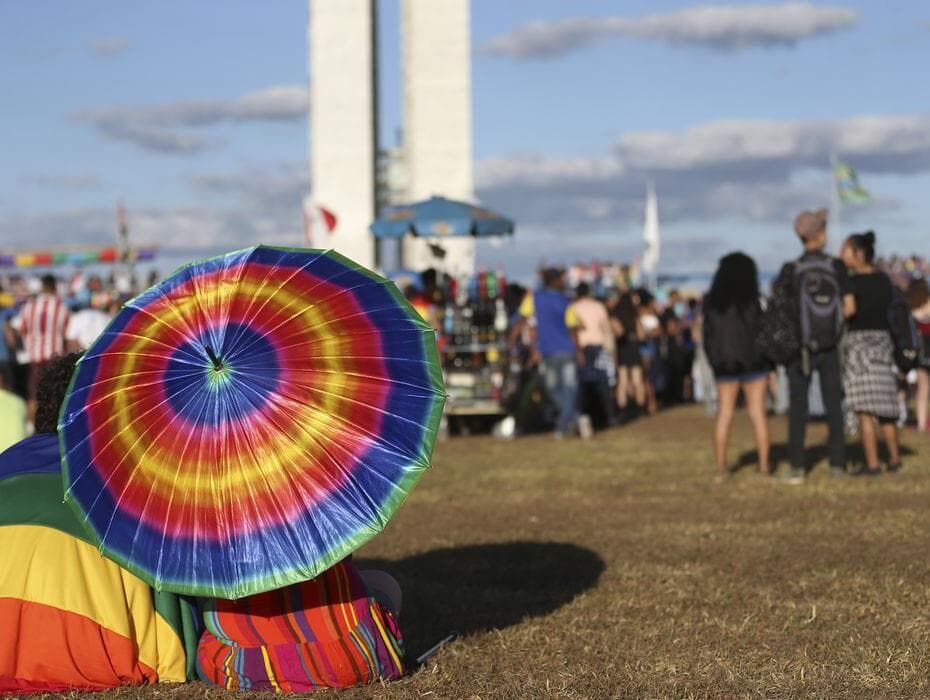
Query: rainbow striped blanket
x=70 y=619
x=323 y=633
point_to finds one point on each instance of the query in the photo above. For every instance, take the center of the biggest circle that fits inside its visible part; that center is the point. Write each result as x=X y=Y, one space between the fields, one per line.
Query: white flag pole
x=651 y=249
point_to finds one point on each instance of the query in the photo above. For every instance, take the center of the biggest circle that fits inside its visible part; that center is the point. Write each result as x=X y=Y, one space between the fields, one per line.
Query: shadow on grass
x=815 y=454
x=484 y=587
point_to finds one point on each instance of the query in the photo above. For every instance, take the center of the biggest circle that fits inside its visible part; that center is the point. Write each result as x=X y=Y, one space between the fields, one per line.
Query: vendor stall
x=468 y=313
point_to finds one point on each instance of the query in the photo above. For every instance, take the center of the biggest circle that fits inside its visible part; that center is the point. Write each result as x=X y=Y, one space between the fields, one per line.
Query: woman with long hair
x=870 y=376
x=732 y=313
x=918 y=298
x=629 y=333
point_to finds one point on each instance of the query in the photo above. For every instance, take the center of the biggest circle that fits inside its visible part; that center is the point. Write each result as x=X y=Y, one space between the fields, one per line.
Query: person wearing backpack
x=732 y=314
x=870 y=375
x=821 y=296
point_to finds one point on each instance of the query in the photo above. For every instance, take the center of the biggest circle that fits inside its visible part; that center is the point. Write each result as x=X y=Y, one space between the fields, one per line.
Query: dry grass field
x=617 y=568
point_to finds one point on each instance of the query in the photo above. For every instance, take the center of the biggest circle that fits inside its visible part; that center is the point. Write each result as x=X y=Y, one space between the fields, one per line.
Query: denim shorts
x=741 y=378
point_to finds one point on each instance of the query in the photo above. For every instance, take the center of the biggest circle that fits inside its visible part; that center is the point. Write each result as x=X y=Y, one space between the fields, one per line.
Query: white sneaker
x=584 y=427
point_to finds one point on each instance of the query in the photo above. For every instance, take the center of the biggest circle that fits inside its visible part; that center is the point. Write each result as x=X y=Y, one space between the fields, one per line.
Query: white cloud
x=717 y=170
x=167 y=128
x=254 y=206
x=109 y=46
x=717 y=27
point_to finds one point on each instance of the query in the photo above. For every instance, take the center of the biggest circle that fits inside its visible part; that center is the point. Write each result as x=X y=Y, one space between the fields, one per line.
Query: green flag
x=847 y=184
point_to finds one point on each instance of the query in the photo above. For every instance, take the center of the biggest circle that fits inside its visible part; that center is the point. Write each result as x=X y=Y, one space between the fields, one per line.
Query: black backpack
x=908 y=346
x=821 y=305
x=778 y=340
x=729 y=340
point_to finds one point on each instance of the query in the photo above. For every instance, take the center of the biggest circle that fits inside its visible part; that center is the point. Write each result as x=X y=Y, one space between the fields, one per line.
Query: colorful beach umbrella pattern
x=250 y=421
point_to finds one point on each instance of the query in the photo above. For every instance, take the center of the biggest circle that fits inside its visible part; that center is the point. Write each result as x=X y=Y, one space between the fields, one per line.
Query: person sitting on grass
x=70 y=619
x=334 y=631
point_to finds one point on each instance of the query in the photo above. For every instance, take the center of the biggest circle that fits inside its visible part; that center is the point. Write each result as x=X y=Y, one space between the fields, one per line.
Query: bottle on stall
x=448 y=321
x=500 y=318
x=492 y=284
x=501 y=281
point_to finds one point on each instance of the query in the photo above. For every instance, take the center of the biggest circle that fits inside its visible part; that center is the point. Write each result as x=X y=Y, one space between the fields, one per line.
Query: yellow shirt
x=12 y=419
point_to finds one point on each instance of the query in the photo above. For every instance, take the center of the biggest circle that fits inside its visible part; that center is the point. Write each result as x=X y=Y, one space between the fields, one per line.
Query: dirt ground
x=617 y=568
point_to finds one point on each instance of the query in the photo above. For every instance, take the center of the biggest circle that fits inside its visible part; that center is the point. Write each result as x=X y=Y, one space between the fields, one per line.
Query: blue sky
x=194 y=113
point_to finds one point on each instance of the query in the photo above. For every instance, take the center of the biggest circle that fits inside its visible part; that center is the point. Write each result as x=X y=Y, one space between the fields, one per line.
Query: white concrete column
x=438 y=118
x=343 y=121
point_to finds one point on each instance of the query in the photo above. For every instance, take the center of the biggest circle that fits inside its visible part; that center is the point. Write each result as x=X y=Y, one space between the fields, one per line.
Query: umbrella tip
x=217 y=362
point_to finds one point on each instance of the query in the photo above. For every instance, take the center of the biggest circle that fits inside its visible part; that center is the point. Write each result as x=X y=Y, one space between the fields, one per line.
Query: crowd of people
x=837 y=324
x=43 y=317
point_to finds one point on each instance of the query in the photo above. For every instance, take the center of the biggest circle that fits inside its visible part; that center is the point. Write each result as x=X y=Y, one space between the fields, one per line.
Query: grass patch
x=618 y=569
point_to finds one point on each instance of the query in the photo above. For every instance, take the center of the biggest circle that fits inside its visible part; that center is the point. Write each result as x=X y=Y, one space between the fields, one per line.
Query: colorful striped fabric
x=322 y=633
x=70 y=619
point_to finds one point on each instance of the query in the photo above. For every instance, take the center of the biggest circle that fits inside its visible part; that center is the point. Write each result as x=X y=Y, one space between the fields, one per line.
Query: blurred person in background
x=12 y=416
x=555 y=347
x=629 y=333
x=918 y=298
x=870 y=376
x=592 y=335
x=41 y=324
x=7 y=340
x=653 y=367
x=816 y=276
x=87 y=323
x=732 y=316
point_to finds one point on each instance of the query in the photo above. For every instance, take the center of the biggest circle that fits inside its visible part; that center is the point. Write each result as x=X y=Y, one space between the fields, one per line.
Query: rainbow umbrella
x=250 y=421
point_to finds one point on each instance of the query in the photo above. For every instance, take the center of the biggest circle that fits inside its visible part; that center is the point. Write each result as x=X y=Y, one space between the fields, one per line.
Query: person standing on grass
x=591 y=337
x=555 y=321
x=870 y=375
x=629 y=333
x=41 y=324
x=732 y=314
x=819 y=284
x=918 y=298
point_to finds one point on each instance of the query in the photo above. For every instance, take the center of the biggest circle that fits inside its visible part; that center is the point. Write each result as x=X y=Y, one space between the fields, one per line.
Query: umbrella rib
x=246 y=435
x=111 y=418
x=191 y=335
x=347 y=474
x=416 y=327
x=296 y=271
x=302 y=311
x=148 y=339
x=136 y=385
x=270 y=271
x=189 y=437
x=364 y=431
x=134 y=468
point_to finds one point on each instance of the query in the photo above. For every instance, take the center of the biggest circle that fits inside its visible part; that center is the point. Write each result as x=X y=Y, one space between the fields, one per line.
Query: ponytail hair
x=865 y=243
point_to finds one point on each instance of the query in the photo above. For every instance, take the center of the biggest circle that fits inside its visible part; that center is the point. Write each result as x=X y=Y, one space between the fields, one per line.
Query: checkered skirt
x=870 y=377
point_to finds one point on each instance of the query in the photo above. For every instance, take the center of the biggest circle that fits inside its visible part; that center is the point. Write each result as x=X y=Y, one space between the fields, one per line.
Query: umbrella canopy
x=438 y=216
x=250 y=421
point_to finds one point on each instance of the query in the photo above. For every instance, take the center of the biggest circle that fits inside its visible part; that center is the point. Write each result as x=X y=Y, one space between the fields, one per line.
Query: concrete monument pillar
x=438 y=119
x=343 y=122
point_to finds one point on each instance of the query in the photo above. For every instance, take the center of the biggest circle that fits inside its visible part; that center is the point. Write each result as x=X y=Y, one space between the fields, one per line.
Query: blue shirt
x=552 y=329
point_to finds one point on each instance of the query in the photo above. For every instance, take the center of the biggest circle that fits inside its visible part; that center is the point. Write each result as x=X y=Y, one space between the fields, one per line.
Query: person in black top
x=629 y=333
x=870 y=375
x=732 y=314
x=811 y=229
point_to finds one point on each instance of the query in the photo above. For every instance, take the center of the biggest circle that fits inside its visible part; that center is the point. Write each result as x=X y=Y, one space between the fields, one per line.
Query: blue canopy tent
x=439 y=217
